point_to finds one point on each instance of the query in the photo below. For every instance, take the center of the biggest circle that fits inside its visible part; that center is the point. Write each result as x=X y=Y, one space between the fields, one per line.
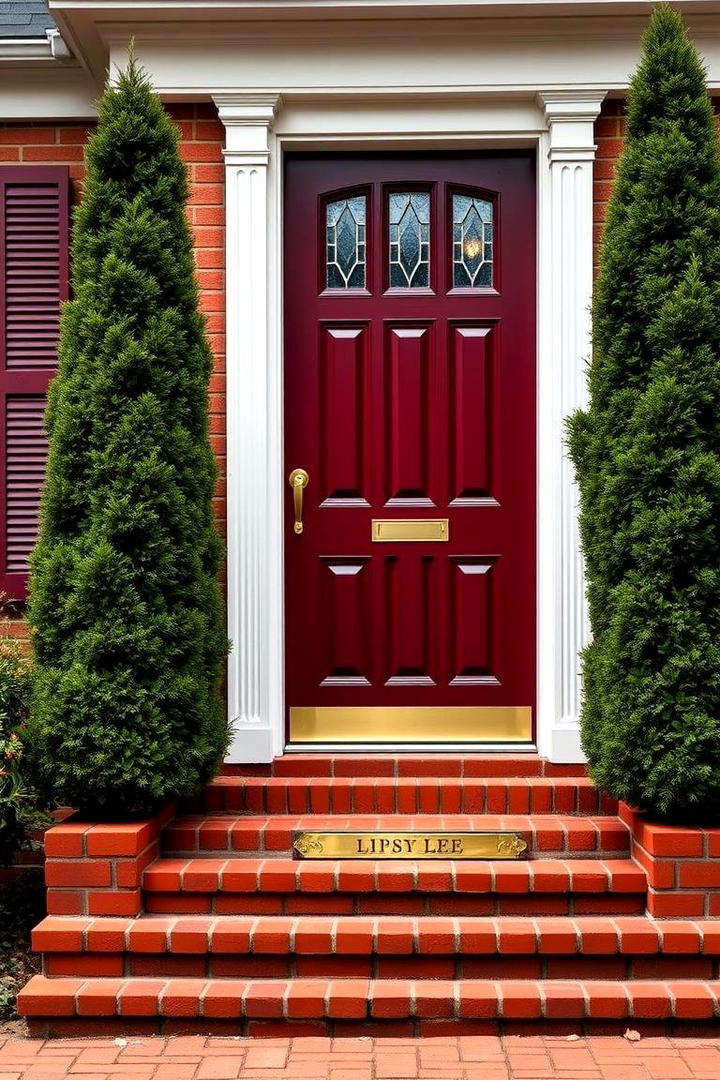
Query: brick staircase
x=206 y=922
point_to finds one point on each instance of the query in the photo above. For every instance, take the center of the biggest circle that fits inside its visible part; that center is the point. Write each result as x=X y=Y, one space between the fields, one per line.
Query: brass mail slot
x=394 y=530
x=409 y=845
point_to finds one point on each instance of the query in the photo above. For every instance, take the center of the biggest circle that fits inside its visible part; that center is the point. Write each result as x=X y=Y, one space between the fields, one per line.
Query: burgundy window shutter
x=34 y=241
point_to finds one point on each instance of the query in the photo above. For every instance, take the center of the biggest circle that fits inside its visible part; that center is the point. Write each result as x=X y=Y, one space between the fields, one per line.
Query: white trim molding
x=248 y=119
x=565 y=273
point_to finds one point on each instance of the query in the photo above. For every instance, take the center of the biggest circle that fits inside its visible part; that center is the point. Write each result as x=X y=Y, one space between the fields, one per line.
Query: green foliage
x=647 y=450
x=124 y=598
x=22 y=906
x=19 y=810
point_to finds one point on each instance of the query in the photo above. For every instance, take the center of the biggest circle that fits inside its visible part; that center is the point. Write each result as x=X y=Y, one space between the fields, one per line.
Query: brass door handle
x=298 y=480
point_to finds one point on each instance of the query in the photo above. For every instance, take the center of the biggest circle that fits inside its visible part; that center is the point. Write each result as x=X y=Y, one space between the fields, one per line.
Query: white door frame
x=260 y=127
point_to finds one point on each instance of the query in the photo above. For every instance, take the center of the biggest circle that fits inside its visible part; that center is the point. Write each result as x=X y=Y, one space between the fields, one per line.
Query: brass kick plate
x=398 y=724
x=395 y=530
x=409 y=845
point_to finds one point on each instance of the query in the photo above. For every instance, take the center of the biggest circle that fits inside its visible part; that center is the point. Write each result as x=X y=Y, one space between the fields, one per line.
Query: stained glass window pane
x=345 y=243
x=410 y=240
x=472 y=242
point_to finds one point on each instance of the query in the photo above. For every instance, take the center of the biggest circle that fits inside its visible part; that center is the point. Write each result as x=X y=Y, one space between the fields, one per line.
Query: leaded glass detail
x=410 y=240
x=472 y=242
x=345 y=243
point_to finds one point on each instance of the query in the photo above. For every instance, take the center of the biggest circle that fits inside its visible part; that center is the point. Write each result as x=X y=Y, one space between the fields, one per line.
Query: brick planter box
x=97 y=869
x=32 y=857
x=682 y=866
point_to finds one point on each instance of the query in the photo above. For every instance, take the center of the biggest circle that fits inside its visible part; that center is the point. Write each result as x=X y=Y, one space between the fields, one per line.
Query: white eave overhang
x=93 y=27
x=225 y=10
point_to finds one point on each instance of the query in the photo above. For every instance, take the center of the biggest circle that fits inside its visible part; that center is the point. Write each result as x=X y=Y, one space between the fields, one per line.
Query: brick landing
x=462 y=1058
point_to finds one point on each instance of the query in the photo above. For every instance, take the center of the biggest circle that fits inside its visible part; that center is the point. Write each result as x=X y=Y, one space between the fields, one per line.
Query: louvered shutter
x=33 y=283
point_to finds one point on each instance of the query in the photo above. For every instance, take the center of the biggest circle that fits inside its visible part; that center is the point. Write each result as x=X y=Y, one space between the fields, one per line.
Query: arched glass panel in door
x=346 y=245
x=409 y=239
x=472 y=258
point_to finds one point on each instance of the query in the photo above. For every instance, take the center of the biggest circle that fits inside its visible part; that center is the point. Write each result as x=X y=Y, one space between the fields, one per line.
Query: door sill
x=410 y=748
x=405 y=725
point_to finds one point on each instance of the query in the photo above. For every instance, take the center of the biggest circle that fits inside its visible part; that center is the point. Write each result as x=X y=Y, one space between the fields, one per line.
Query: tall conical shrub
x=647 y=450
x=125 y=605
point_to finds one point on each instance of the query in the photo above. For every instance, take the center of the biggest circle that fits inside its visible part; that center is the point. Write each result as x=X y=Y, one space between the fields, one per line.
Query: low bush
x=20 y=809
x=22 y=906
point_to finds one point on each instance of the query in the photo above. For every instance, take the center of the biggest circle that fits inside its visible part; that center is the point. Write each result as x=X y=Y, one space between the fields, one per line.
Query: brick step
x=382 y=947
x=414 y=794
x=378 y=966
x=367 y=887
x=408 y=764
x=200 y=835
x=361 y=1000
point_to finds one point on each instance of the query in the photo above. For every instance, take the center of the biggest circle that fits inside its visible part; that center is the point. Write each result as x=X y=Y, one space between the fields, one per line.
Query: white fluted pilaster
x=565 y=291
x=248 y=121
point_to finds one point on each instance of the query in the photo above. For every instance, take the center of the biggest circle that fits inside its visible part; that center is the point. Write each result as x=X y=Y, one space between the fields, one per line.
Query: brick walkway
x=462 y=1058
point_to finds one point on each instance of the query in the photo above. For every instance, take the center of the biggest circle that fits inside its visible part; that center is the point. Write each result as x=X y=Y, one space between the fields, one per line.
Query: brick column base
x=682 y=865
x=96 y=869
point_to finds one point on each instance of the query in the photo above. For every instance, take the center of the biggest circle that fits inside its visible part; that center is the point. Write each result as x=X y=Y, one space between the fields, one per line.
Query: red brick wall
x=609 y=132
x=202 y=139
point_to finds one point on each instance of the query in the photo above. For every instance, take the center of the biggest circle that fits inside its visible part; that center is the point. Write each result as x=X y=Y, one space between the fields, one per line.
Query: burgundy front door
x=410 y=409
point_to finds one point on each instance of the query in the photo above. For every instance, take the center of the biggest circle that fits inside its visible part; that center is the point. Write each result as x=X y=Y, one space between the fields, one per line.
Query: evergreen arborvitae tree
x=124 y=599
x=647 y=450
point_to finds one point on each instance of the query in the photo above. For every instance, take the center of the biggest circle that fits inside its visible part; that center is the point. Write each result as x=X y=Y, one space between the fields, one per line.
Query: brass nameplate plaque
x=395 y=530
x=409 y=845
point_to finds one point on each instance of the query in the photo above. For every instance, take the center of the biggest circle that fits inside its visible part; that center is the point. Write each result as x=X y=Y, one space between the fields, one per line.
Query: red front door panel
x=410 y=401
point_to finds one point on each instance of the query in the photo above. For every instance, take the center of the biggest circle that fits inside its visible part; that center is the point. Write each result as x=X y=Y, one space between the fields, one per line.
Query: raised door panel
x=408 y=408
x=343 y=427
x=472 y=594
x=410 y=619
x=346 y=605
x=472 y=452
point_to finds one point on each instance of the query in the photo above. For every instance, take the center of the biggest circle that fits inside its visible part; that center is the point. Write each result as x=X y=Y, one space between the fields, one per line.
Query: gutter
x=51 y=47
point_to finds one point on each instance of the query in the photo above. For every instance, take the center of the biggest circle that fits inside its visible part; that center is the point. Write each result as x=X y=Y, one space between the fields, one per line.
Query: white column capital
x=245 y=109
x=570 y=117
x=571 y=104
x=248 y=121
